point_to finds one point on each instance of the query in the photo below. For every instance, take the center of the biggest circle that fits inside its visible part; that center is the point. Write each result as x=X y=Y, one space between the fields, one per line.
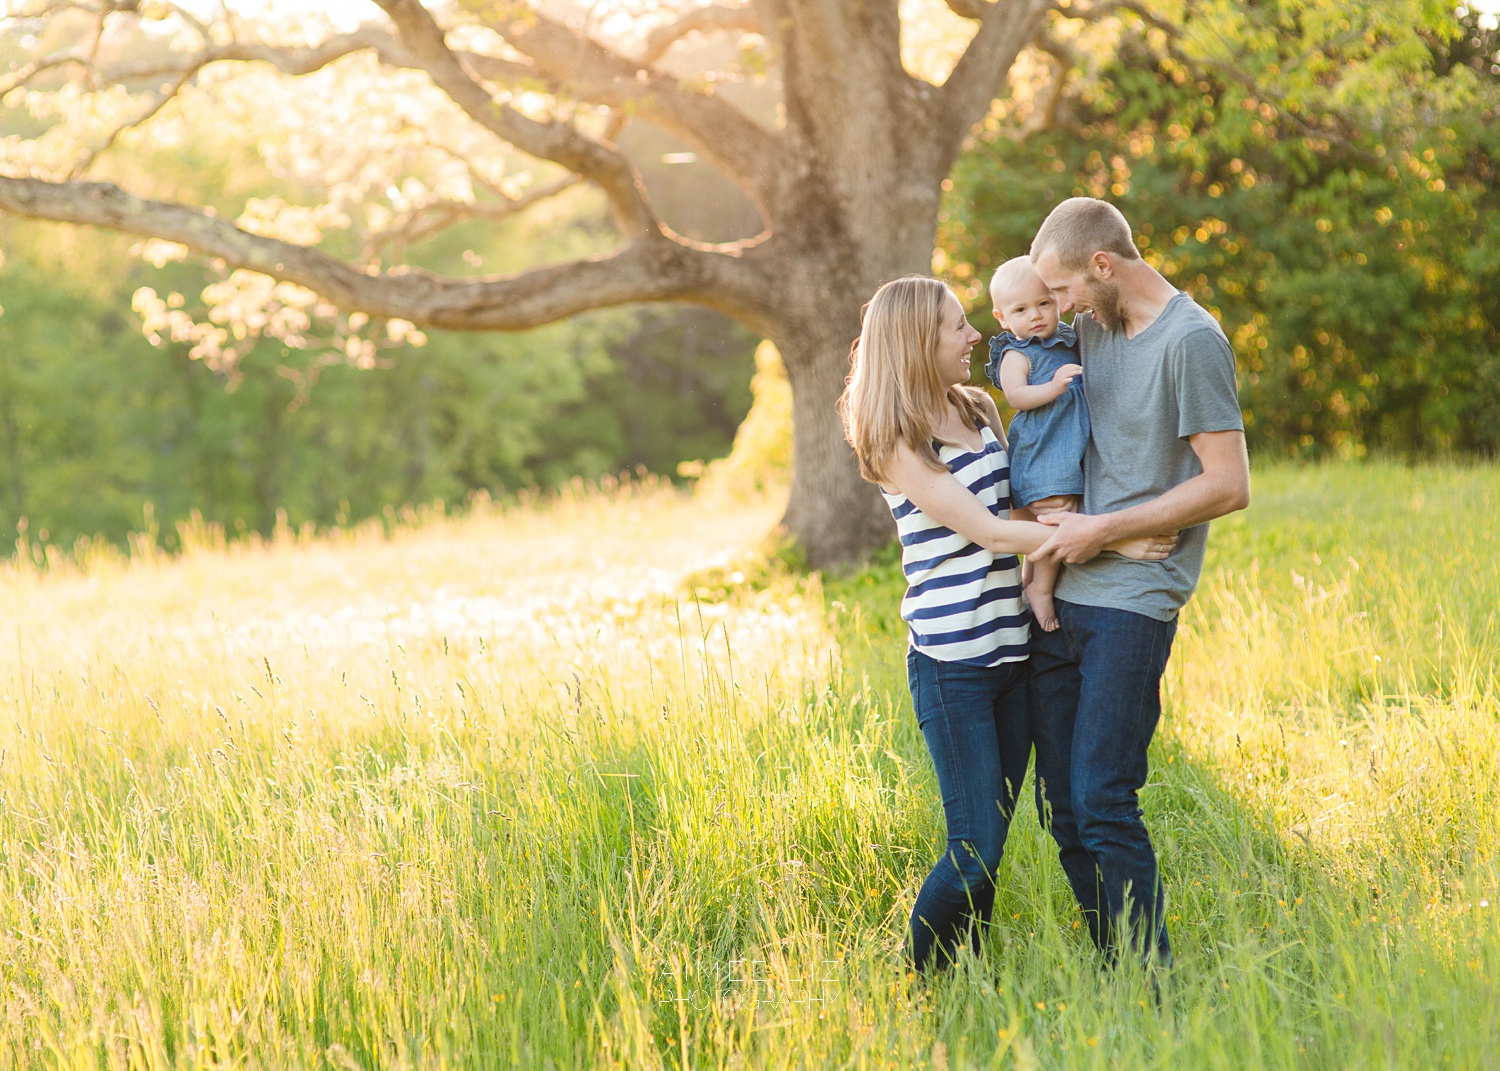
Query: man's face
x=1103 y=302
x=1081 y=290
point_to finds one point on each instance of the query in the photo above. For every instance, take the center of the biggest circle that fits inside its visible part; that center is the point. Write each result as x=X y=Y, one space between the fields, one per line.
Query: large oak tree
x=845 y=178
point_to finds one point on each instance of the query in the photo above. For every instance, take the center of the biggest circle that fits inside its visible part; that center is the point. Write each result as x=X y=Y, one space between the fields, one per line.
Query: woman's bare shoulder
x=991 y=413
x=906 y=468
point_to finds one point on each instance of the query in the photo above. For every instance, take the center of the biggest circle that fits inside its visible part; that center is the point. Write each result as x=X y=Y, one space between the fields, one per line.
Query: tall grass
x=587 y=784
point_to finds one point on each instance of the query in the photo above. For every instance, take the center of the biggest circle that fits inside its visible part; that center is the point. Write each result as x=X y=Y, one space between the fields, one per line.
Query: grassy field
x=588 y=784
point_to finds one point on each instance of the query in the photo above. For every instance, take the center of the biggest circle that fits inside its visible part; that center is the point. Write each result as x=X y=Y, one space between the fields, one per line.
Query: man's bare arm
x=1221 y=488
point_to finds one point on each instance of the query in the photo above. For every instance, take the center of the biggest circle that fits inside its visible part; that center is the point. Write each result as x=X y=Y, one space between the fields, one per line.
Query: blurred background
x=1356 y=270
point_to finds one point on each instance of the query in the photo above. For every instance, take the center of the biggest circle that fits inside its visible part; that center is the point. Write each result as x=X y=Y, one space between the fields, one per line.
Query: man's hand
x=1222 y=487
x=1079 y=538
x=1087 y=536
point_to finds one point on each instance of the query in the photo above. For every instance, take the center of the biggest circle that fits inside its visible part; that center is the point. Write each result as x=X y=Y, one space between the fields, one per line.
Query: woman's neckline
x=979 y=432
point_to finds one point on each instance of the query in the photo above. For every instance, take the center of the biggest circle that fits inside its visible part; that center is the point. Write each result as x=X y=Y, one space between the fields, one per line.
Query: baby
x=1035 y=362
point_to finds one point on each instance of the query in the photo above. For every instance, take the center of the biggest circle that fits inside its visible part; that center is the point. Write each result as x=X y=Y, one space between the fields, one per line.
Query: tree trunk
x=831 y=260
x=834 y=514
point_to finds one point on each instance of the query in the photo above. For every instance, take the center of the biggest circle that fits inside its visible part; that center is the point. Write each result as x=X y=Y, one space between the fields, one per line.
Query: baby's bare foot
x=1042 y=608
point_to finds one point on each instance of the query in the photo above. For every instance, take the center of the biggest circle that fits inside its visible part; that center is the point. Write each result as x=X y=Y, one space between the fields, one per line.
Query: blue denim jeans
x=974 y=721
x=1095 y=702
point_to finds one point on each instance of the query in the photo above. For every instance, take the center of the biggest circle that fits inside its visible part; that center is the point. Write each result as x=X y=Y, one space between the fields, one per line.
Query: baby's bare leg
x=1043 y=579
x=1021 y=513
x=1039 y=594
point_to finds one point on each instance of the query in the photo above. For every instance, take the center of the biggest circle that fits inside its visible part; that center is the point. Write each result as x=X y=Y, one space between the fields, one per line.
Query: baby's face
x=1028 y=310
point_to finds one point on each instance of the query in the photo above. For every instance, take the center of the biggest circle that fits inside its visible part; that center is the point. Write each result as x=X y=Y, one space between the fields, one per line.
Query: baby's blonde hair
x=1010 y=275
x=894 y=392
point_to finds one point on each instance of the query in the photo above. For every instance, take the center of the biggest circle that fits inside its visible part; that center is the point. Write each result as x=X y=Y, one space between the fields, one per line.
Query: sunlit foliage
x=1342 y=228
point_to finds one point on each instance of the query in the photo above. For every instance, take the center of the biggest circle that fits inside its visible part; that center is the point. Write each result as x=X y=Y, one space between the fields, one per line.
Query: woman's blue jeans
x=974 y=720
x=1095 y=702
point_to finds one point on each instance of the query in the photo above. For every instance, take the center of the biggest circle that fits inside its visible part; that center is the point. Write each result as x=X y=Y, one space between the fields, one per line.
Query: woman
x=937 y=449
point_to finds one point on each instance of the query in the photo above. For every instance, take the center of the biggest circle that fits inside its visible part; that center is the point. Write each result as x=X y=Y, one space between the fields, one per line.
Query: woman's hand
x=1089 y=532
x=1146 y=548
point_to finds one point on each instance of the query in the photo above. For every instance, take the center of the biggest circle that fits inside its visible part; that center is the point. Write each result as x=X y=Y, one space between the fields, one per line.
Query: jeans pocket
x=917 y=682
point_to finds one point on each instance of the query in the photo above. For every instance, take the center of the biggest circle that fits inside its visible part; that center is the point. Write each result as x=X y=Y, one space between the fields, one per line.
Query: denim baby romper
x=1046 y=444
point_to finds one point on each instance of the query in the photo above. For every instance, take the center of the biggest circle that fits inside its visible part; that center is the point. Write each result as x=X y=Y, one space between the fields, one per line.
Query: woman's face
x=955 y=339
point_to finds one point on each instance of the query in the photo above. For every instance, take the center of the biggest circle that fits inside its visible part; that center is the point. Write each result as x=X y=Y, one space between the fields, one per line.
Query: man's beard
x=1104 y=303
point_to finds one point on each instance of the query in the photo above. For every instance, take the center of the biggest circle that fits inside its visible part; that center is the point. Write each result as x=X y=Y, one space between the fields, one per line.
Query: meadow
x=595 y=781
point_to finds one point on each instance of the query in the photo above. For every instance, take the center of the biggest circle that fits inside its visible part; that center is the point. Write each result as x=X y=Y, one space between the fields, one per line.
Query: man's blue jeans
x=974 y=721
x=1095 y=702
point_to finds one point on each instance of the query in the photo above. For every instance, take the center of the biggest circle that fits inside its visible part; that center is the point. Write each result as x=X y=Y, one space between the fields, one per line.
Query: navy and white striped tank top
x=963 y=603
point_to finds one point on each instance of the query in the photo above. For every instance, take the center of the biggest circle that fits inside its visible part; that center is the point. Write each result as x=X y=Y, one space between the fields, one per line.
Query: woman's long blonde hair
x=893 y=392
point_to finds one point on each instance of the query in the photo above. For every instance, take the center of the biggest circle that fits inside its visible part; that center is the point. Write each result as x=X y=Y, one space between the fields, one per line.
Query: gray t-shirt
x=1146 y=395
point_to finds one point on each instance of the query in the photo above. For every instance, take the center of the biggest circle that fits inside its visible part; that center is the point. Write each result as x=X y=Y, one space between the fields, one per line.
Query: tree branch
x=425 y=220
x=651 y=269
x=578 y=66
x=1044 y=115
x=292 y=61
x=1005 y=28
x=773 y=19
x=561 y=60
x=700 y=20
x=1102 y=9
x=969 y=9
x=82 y=56
x=198 y=27
x=46 y=63
x=561 y=143
x=157 y=103
x=719 y=131
x=182 y=67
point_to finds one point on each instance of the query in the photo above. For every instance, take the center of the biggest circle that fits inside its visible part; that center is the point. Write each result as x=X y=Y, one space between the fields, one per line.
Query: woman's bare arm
x=937 y=493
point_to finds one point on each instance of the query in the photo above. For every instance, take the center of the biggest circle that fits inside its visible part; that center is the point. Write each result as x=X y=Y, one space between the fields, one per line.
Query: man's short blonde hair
x=1010 y=276
x=1080 y=227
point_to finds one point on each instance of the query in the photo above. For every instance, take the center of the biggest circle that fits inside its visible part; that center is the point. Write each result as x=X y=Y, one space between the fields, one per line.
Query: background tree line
x=1354 y=259
x=96 y=422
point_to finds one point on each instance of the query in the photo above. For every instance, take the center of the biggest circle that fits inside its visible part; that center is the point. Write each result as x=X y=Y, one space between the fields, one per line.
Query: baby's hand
x=1064 y=375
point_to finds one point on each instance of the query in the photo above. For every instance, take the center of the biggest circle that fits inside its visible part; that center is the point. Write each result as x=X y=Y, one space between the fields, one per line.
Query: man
x=1167 y=453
